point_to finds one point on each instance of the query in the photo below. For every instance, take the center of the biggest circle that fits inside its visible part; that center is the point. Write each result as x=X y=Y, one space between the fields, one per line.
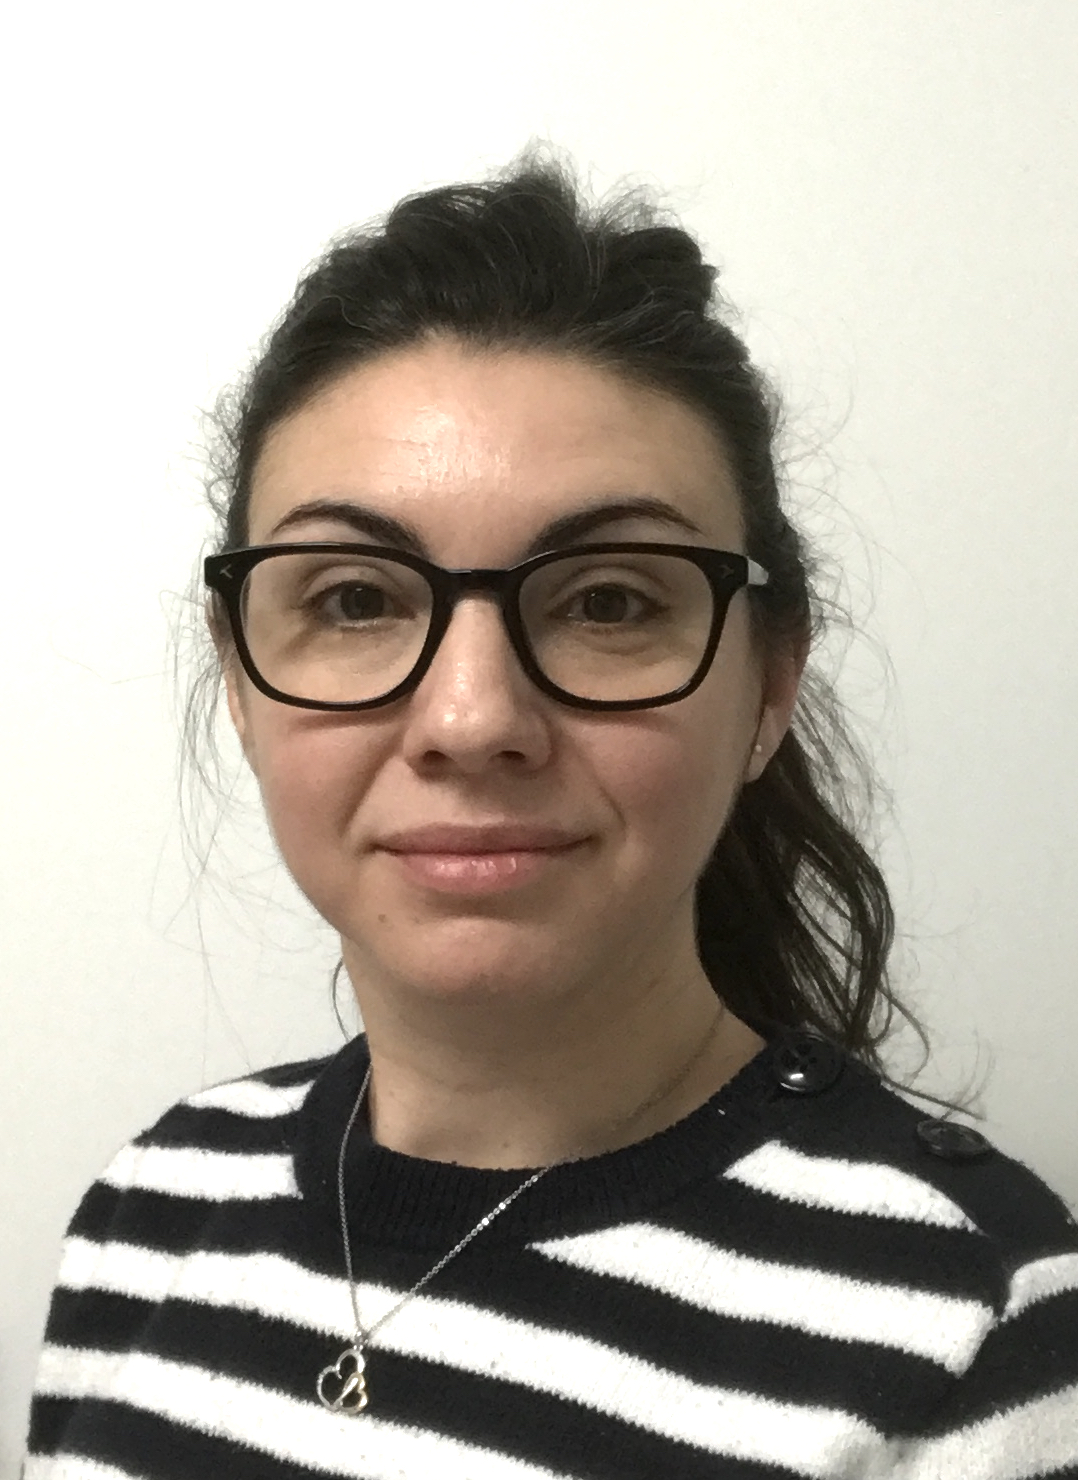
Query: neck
x=526 y=1086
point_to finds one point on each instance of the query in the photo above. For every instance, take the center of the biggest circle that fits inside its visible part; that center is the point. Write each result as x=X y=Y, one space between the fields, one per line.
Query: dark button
x=952 y=1141
x=807 y=1065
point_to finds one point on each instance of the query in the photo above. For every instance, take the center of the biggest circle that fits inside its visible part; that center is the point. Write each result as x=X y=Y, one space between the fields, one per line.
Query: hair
x=794 y=920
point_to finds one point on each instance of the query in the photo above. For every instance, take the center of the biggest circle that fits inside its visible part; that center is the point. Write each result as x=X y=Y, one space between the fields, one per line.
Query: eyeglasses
x=605 y=626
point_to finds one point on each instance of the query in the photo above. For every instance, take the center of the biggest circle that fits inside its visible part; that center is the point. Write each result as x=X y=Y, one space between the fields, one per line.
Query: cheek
x=673 y=785
x=312 y=776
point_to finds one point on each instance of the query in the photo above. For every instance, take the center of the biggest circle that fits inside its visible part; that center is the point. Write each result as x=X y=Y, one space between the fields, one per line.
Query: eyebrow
x=566 y=530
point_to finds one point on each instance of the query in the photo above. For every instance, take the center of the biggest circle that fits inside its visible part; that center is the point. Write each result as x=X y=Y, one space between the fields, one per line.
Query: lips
x=474 y=861
x=439 y=838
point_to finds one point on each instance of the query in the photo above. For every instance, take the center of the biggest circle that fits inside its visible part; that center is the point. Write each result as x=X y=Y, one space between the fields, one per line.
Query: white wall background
x=891 y=190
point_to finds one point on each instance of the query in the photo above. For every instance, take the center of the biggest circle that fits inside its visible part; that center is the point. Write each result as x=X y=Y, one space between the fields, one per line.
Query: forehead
x=478 y=449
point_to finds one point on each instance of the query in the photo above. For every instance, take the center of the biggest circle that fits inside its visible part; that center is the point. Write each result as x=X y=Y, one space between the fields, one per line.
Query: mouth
x=484 y=840
x=484 y=866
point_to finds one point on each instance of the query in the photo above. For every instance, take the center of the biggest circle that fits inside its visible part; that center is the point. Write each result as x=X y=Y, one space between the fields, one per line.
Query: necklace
x=342 y=1386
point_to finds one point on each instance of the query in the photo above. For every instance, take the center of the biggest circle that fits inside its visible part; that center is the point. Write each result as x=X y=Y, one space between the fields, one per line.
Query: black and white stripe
x=811 y=1295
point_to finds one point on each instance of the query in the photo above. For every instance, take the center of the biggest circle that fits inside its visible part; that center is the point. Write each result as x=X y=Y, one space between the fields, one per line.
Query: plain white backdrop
x=891 y=192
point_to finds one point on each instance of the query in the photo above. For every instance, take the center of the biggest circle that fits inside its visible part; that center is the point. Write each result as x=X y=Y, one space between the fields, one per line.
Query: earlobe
x=232 y=677
x=777 y=711
x=758 y=760
x=238 y=715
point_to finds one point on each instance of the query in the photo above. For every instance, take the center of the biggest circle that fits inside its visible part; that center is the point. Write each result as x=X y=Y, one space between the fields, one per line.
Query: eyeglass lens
x=346 y=628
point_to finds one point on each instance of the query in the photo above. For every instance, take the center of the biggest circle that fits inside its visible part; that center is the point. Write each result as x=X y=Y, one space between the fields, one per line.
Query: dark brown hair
x=794 y=918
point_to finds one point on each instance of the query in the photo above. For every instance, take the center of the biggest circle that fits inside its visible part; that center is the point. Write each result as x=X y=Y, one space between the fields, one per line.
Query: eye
x=609 y=605
x=360 y=599
x=353 y=602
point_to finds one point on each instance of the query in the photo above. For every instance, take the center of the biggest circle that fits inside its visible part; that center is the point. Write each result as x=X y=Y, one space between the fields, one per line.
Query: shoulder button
x=951 y=1141
x=805 y=1064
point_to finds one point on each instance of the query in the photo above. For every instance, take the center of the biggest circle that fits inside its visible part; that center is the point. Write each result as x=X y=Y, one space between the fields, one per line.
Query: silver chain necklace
x=342 y=1386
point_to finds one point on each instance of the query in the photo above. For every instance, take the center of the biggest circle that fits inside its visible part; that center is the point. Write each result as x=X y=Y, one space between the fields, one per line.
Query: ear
x=233 y=681
x=782 y=681
x=235 y=705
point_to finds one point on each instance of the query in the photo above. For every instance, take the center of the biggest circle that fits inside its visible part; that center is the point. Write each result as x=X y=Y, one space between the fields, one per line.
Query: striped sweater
x=819 y=1283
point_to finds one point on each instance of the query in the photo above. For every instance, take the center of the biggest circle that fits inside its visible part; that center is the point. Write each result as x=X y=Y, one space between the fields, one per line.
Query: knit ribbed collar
x=409 y=1202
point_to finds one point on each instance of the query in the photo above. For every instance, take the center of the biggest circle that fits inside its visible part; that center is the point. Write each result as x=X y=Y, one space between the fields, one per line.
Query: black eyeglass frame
x=727 y=573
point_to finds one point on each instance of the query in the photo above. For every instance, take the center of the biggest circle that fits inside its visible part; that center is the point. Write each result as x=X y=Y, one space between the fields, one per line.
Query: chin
x=478 y=961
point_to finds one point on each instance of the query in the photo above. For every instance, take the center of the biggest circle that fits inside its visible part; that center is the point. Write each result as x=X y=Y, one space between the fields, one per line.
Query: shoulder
x=862 y=1150
x=244 y=1114
x=225 y=1143
x=237 y=1107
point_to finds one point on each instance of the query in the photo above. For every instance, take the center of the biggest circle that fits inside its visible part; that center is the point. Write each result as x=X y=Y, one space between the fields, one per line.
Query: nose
x=475 y=707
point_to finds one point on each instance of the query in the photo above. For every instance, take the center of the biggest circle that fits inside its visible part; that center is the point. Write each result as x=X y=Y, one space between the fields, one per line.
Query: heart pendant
x=342 y=1388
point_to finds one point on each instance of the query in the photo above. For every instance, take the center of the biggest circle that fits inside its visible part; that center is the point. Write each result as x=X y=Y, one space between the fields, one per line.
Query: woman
x=512 y=628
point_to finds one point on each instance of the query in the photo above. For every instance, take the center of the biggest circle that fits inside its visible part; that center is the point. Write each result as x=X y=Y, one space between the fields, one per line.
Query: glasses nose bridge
x=466 y=582
x=500 y=586
x=496 y=584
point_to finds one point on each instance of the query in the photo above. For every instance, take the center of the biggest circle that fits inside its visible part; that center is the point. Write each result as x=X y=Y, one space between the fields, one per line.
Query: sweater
x=803 y=1277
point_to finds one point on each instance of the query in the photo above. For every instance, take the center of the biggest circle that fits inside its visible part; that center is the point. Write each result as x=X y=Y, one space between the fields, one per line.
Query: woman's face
x=474 y=454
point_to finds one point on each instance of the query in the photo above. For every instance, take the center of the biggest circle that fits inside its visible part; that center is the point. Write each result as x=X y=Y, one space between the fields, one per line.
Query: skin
x=522 y=1027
